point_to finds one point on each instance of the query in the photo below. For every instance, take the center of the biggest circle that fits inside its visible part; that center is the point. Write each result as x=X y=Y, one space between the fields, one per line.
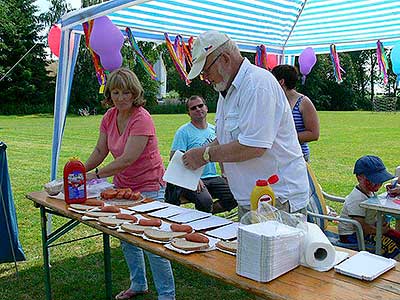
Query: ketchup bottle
x=74 y=181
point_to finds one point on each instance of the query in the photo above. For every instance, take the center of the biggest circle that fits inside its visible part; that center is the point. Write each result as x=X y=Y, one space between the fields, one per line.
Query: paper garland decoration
x=336 y=64
x=142 y=60
x=100 y=74
x=382 y=61
x=175 y=59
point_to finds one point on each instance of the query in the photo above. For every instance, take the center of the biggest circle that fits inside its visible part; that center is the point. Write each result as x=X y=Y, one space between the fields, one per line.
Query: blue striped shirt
x=299 y=123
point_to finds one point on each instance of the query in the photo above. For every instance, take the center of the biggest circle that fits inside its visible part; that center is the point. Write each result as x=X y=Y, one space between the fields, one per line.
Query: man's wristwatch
x=97 y=173
x=206 y=154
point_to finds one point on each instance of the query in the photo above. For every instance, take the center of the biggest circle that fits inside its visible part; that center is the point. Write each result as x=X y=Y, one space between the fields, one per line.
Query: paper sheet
x=188 y=217
x=155 y=205
x=170 y=211
x=210 y=222
x=179 y=175
x=227 y=232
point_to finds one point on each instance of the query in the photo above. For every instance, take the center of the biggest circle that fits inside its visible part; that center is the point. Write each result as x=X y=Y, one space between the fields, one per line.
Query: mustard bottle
x=262 y=192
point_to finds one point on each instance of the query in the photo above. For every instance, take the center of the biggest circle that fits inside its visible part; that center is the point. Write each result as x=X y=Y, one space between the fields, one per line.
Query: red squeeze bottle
x=74 y=181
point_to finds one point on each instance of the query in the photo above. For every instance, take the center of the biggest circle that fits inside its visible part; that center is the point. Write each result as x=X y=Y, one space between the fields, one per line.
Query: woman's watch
x=206 y=154
x=96 y=171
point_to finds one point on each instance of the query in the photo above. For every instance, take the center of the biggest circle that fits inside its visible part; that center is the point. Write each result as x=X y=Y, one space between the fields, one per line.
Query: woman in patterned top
x=304 y=113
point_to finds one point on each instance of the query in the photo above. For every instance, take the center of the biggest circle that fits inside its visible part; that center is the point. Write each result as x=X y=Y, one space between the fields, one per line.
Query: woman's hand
x=90 y=176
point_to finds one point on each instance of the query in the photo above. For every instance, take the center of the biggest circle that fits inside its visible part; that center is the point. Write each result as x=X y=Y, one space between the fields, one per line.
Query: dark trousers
x=215 y=187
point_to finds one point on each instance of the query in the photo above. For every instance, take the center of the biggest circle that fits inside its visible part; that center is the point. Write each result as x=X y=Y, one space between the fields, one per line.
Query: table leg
x=46 y=263
x=107 y=265
x=378 y=246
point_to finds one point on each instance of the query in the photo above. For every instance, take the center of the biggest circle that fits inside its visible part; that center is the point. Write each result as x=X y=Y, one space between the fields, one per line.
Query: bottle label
x=76 y=185
x=265 y=198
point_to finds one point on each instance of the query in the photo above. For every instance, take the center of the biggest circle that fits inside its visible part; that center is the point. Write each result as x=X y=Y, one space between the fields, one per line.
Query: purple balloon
x=307 y=60
x=107 y=40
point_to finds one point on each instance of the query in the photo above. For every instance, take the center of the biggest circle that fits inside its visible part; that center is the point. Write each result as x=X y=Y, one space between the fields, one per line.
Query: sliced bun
x=133 y=228
x=161 y=235
x=109 y=221
x=189 y=246
x=230 y=246
x=80 y=206
x=97 y=214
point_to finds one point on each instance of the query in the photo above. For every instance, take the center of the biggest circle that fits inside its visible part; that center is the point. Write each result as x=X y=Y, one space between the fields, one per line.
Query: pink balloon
x=307 y=60
x=272 y=61
x=107 y=40
x=53 y=40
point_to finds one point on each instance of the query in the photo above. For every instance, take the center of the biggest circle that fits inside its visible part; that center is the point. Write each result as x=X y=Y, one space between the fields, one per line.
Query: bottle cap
x=397 y=172
x=261 y=182
x=273 y=179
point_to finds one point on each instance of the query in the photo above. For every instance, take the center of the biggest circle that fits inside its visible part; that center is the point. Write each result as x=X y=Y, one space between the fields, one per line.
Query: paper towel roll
x=319 y=253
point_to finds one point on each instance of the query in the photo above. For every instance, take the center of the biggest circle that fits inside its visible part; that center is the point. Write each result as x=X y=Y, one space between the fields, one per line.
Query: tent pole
x=294 y=25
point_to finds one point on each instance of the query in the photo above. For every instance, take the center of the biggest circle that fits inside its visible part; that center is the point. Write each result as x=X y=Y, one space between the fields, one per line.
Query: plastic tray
x=365 y=266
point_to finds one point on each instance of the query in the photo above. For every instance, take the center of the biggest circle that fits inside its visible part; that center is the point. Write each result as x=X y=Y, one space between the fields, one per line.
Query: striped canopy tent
x=285 y=27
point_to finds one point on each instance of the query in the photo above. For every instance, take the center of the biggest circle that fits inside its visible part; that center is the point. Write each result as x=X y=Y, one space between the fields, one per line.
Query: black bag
x=173 y=193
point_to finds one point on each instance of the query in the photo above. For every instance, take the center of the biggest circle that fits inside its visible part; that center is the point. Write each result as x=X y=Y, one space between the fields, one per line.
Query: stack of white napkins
x=267 y=250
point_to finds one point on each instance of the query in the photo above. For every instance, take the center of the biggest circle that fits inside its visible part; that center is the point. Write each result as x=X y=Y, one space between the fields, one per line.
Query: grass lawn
x=77 y=268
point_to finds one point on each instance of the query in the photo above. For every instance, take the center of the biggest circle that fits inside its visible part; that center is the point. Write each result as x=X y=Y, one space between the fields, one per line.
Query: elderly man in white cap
x=256 y=136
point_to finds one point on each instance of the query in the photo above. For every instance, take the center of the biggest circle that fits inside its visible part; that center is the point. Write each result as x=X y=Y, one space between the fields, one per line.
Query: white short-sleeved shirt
x=352 y=208
x=256 y=113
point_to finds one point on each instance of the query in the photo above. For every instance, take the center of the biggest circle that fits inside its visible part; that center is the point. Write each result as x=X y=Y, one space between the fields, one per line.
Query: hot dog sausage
x=110 y=208
x=196 y=237
x=120 y=194
x=181 y=228
x=126 y=217
x=109 y=194
x=147 y=200
x=135 y=196
x=94 y=202
x=150 y=222
x=128 y=195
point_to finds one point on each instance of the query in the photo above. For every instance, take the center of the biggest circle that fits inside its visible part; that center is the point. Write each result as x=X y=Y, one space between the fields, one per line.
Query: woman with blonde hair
x=127 y=131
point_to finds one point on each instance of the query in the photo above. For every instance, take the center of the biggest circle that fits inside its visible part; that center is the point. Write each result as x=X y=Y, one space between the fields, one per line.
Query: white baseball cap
x=203 y=46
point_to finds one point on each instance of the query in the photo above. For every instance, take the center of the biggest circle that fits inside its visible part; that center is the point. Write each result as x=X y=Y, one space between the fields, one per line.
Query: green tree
x=27 y=85
x=56 y=10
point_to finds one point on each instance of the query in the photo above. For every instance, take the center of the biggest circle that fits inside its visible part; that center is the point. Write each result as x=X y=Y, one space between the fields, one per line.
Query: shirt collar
x=241 y=73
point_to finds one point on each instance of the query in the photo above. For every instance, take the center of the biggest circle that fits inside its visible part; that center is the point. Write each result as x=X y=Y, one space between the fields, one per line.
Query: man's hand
x=200 y=186
x=193 y=159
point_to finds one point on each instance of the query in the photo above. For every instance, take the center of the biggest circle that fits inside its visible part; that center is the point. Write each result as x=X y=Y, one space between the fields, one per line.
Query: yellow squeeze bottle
x=262 y=192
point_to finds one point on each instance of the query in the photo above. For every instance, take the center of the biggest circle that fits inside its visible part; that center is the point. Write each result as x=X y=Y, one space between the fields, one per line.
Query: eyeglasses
x=205 y=71
x=197 y=106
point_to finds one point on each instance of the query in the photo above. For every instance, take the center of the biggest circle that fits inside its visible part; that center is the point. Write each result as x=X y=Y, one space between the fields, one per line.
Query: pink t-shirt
x=145 y=174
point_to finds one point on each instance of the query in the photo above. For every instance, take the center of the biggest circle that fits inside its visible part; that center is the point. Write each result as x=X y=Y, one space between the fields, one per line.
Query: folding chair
x=317 y=213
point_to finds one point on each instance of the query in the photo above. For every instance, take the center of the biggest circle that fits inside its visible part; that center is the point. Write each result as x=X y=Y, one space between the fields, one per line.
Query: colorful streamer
x=142 y=60
x=100 y=73
x=261 y=57
x=175 y=59
x=382 y=61
x=336 y=64
x=183 y=51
